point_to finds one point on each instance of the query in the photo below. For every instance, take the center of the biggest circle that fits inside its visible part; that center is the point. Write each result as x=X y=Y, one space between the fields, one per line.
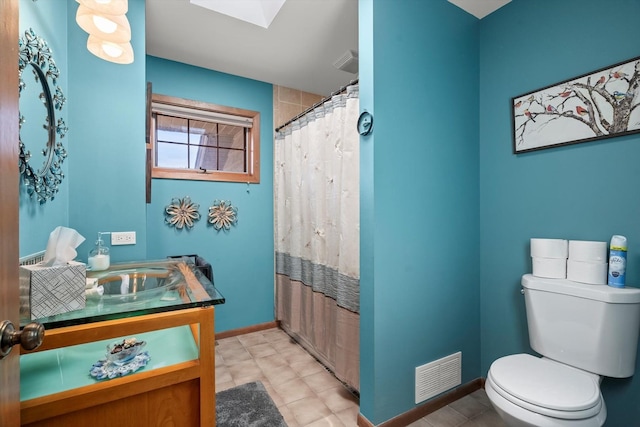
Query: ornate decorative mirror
x=41 y=180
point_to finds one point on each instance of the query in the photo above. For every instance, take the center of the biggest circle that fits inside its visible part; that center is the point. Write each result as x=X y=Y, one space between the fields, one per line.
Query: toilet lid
x=546 y=386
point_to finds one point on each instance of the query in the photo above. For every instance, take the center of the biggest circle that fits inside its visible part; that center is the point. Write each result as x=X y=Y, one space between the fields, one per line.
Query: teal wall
x=368 y=325
x=242 y=258
x=443 y=246
x=585 y=192
x=103 y=188
x=104 y=185
x=107 y=148
x=48 y=21
x=420 y=197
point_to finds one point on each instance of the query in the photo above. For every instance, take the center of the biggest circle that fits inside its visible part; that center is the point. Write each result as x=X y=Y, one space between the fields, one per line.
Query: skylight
x=480 y=8
x=257 y=12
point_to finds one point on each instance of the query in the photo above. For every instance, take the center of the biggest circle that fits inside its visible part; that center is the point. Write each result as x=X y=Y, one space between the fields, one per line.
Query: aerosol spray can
x=617 y=261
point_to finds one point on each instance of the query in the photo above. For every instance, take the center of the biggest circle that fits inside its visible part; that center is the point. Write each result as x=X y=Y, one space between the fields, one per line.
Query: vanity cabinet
x=175 y=388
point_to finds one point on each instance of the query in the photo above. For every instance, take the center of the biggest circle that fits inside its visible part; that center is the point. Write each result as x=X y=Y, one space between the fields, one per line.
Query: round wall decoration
x=222 y=215
x=181 y=213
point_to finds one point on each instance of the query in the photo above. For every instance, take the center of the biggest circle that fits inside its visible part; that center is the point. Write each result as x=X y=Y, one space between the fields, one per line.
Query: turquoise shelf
x=54 y=371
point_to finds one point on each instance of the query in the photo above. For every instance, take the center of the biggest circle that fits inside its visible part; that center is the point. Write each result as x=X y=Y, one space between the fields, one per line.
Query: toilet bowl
x=584 y=333
x=528 y=391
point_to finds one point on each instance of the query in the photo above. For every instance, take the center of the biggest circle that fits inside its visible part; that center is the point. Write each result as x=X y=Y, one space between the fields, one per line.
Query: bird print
x=618 y=74
x=581 y=110
x=600 y=81
x=619 y=95
x=529 y=116
x=565 y=93
x=551 y=109
x=518 y=104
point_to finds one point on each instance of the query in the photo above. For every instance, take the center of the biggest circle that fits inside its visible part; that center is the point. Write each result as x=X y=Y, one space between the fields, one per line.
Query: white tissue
x=61 y=247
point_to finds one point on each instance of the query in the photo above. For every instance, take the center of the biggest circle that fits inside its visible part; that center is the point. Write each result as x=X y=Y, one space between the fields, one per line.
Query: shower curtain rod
x=322 y=101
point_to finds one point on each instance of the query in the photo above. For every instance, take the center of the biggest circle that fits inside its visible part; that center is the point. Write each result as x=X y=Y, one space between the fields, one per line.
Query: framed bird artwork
x=601 y=104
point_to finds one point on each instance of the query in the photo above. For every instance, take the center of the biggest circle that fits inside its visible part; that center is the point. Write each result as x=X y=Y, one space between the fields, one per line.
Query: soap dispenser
x=99 y=258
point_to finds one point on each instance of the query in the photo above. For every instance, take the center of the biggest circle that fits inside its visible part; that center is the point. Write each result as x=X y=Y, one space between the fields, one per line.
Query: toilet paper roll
x=588 y=251
x=549 y=248
x=592 y=273
x=552 y=268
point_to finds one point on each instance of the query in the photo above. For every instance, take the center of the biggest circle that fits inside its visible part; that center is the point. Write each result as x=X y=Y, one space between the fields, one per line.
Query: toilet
x=583 y=332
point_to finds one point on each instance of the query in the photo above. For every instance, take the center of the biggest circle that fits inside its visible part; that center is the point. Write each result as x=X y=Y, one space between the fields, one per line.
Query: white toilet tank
x=591 y=327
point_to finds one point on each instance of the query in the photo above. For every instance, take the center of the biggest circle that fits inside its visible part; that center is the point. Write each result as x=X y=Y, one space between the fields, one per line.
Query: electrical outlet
x=123 y=238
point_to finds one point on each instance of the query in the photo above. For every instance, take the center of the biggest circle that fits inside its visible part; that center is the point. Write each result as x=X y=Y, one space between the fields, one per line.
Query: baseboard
x=247 y=330
x=425 y=409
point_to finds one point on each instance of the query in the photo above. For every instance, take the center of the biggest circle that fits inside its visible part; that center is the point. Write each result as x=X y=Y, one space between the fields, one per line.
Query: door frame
x=9 y=186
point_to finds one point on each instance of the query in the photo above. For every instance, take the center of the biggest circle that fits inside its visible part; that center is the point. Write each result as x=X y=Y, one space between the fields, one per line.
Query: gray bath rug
x=247 y=405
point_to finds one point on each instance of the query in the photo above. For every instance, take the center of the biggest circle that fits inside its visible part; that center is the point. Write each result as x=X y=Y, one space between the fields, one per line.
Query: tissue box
x=47 y=291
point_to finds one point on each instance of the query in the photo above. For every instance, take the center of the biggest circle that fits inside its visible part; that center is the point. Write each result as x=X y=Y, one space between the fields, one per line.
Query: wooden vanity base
x=176 y=395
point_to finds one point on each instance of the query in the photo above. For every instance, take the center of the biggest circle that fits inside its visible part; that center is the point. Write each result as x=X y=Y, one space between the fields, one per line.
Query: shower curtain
x=317 y=233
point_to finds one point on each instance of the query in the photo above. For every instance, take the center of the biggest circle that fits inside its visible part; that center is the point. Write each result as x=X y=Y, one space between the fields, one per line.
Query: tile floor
x=308 y=395
x=473 y=410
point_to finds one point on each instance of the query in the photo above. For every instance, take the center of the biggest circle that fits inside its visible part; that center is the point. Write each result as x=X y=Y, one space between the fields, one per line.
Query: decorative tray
x=105 y=369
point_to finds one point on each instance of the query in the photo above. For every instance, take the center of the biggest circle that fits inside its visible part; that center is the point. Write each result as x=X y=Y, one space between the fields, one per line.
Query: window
x=200 y=141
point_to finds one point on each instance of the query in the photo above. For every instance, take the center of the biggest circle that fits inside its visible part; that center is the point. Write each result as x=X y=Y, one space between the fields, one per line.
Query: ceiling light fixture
x=108 y=7
x=113 y=28
x=120 y=53
x=108 y=28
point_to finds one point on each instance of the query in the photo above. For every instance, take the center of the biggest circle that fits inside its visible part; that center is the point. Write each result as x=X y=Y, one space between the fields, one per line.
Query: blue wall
x=420 y=197
x=107 y=148
x=49 y=21
x=104 y=186
x=556 y=193
x=466 y=209
x=242 y=258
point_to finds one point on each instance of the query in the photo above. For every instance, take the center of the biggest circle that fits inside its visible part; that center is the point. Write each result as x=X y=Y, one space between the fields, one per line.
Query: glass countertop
x=137 y=288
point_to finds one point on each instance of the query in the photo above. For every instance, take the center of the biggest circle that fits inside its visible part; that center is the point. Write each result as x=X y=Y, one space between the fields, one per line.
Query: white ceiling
x=297 y=50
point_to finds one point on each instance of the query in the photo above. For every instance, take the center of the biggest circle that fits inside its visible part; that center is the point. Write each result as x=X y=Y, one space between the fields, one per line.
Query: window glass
x=214 y=143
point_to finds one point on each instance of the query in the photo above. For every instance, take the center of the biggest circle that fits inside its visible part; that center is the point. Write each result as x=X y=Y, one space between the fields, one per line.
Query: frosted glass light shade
x=120 y=53
x=113 y=28
x=107 y=7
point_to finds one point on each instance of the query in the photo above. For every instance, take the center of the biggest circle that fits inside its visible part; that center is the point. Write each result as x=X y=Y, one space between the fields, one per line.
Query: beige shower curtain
x=317 y=233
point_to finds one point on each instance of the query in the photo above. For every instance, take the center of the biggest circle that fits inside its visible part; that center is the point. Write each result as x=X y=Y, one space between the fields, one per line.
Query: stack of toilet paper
x=587 y=262
x=549 y=258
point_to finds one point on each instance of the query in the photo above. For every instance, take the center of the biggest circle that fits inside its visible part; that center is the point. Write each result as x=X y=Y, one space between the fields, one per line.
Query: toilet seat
x=546 y=387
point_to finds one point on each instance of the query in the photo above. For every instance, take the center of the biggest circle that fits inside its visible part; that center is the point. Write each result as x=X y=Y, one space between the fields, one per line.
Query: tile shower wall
x=287 y=103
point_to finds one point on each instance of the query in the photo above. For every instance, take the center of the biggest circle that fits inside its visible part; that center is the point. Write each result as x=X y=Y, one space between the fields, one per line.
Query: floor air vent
x=438 y=376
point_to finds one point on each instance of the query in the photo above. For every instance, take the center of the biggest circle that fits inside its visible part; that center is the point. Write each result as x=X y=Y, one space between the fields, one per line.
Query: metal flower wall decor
x=181 y=213
x=43 y=182
x=222 y=215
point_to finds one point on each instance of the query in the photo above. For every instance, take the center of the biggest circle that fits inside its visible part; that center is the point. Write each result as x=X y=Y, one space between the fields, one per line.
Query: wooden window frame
x=252 y=176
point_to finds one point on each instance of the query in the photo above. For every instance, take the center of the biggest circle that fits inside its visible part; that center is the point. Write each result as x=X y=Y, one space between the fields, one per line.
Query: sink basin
x=138 y=284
